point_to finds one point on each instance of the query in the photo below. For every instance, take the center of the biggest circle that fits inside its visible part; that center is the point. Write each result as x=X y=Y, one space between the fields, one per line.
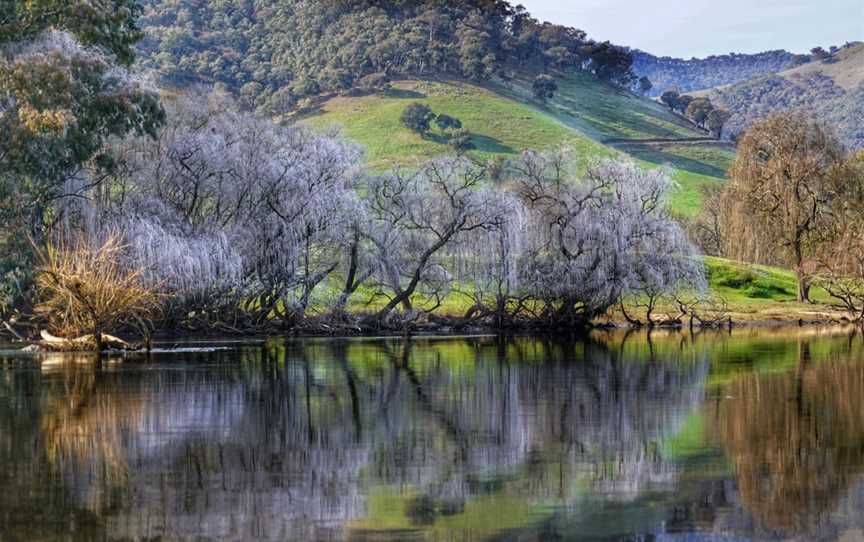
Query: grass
x=601 y=111
x=754 y=293
x=744 y=283
x=499 y=125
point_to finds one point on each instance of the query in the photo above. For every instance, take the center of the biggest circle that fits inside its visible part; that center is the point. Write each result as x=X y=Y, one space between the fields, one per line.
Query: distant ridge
x=668 y=73
x=832 y=89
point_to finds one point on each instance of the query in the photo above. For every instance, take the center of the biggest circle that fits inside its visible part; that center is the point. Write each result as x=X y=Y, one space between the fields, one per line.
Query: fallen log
x=85 y=342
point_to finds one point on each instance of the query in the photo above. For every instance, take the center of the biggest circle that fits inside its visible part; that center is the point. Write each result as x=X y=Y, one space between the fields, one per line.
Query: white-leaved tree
x=594 y=239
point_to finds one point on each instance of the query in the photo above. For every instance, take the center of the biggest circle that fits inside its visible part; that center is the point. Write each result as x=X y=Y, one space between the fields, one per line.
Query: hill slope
x=832 y=91
x=593 y=119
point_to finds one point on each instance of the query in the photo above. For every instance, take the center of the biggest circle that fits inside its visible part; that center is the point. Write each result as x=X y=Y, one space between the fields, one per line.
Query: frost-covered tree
x=593 y=240
x=416 y=215
x=233 y=209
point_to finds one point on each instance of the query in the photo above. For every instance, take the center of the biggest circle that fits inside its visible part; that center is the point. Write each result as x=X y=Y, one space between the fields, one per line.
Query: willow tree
x=786 y=182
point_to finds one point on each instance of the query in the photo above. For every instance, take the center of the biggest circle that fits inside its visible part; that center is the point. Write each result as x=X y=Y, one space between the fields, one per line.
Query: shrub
x=461 y=141
x=418 y=117
x=544 y=87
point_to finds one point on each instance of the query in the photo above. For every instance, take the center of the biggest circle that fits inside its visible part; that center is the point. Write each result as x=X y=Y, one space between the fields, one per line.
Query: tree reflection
x=796 y=439
x=289 y=440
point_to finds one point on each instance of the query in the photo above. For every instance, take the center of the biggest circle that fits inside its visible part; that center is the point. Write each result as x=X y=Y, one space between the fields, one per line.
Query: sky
x=687 y=28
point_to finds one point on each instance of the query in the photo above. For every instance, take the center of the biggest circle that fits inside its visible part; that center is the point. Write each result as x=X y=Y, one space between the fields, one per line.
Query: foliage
x=698 y=110
x=786 y=183
x=645 y=85
x=840 y=261
x=87 y=289
x=461 y=141
x=593 y=241
x=314 y=47
x=670 y=98
x=232 y=212
x=544 y=87
x=418 y=117
x=446 y=122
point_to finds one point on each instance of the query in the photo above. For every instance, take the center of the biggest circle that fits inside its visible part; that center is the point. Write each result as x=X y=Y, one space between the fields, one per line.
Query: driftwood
x=85 y=342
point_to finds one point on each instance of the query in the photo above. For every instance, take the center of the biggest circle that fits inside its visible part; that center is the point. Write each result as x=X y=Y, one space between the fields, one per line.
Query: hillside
x=668 y=73
x=359 y=64
x=503 y=118
x=833 y=91
x=276 y=53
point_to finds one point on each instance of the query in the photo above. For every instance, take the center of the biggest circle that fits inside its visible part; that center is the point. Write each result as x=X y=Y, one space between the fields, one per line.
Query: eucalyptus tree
x=64 y=89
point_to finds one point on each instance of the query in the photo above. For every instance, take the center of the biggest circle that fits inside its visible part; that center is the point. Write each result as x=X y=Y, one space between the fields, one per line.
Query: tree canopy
x=268 y=48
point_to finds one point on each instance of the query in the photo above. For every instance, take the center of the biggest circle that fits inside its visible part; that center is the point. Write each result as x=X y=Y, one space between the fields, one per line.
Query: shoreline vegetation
x=774 y=315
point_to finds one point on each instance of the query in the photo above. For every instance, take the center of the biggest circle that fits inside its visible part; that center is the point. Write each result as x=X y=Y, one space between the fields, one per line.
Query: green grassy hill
x=592 y=118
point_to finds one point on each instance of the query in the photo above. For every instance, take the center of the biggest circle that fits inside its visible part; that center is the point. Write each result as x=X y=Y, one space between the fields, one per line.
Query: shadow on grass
x=403 y=94
x=490 y=144
x=659 y=157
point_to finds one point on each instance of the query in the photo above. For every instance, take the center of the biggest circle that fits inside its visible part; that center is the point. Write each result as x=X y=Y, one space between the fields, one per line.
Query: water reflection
x=617 y=437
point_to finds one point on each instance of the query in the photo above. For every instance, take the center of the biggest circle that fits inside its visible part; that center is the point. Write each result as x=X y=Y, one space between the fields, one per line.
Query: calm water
x=713 y=437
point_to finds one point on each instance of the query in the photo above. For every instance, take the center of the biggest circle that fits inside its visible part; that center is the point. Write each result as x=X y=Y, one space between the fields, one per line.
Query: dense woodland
x=274 y=53
x=667 y=73
x=837 y=107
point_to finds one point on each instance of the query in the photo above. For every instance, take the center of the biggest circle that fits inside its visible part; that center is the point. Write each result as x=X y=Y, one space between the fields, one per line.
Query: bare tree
x=593 y=240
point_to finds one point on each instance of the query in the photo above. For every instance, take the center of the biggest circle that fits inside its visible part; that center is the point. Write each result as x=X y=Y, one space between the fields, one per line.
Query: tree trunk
x=803 y=285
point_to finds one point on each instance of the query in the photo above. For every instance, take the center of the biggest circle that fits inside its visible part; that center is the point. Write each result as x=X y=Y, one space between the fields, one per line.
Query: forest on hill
x=830 y=87
x=667 y=73
x=275 y=53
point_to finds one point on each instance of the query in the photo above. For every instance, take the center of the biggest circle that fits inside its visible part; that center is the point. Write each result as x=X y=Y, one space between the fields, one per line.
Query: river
x=757 y=434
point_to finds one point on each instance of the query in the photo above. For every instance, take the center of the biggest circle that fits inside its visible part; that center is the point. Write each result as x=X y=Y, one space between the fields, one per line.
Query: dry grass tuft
x=87 y=290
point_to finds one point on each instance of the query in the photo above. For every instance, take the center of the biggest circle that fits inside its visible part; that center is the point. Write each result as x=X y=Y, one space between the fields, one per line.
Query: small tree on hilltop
x=645 y=85
x=418 y=118
x=544 y=87
x=682 y=103
x=716 y=120
x=698 y=110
